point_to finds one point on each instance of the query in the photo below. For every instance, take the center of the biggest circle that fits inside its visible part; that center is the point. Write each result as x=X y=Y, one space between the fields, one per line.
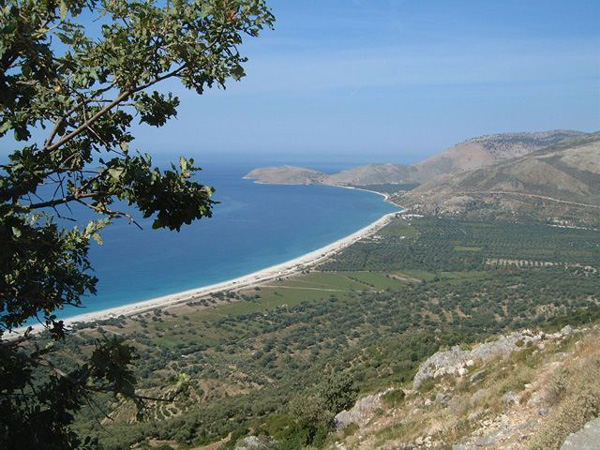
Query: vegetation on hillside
x=254 y=362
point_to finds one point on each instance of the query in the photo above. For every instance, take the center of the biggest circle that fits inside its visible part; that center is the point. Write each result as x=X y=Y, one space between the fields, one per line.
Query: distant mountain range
x=471 y=154
x=553 y=174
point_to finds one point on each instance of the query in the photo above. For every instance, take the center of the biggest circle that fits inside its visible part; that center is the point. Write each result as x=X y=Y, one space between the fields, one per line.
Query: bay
x=253 y=227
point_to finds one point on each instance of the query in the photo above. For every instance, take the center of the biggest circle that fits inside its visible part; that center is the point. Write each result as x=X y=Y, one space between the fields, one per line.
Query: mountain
x=489 y=150
x=375 y=174
x=473 y=153
x=561 y=177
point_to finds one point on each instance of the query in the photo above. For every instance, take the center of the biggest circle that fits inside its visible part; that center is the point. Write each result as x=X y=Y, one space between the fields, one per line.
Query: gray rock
x=255 y=443
x=489 y=440
x=543 y=412
x=362 y=411
x=510 y=398
x=442 y=398
x=588 y=438
x=567 y=331
x=455 y=360
x=474 y=415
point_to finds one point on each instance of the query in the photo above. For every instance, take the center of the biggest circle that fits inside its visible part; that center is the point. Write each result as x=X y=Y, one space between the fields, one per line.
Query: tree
x=315 y=410
x=81 y=91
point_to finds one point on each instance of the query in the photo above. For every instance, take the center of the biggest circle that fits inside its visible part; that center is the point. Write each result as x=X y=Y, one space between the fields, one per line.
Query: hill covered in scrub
x=474 y=153
x=559 y=181
x=526 y=390
x=285 y=175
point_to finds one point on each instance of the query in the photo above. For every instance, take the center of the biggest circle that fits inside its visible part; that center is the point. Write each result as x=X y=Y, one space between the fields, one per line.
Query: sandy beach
x=270 y=273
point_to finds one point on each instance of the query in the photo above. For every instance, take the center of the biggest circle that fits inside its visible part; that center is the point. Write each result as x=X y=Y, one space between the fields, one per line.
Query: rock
x=536 y=399
x=474 y=415
x=428 y=403
x=489 y=440
x=453 y=360
x=362 y=411
x=588 y=438
x=478 y=376
x=567 y=330
x=510 y=398
x=441 y=398
x=255 y=443
x=463 y=371
x=543 y=412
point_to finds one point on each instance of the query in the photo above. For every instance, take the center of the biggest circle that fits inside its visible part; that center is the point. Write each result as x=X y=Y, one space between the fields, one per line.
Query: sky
x=398 y=80
x=394 y=80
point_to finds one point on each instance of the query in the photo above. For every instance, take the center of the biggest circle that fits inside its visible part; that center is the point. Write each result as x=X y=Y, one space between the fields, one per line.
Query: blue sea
x=253 y=227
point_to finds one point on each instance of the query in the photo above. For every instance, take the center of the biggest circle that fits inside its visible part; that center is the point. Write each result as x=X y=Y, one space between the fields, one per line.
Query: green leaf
x=116 y=172
x=64 y=9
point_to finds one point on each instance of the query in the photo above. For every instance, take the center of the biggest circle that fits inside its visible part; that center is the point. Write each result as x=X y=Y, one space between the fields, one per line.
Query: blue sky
x=399 y=80
x=395 y=80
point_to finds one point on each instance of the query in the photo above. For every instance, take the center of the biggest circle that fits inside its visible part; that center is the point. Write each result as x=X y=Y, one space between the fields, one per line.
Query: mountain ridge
x=553 y=181
x=473 y=153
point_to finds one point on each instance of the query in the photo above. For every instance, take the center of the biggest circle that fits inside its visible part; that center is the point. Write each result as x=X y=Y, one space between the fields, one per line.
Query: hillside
x=559 y=180
x=488 y=150
x=268 y=359
x=473 y=153
x=524 y=390
x=285 y=175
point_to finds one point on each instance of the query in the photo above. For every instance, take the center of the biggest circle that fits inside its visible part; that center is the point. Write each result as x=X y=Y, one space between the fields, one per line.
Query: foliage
x=250 y=360
x=69 y=96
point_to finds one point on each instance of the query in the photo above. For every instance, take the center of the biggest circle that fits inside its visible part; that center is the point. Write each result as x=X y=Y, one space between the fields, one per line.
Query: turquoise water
x=254 y=227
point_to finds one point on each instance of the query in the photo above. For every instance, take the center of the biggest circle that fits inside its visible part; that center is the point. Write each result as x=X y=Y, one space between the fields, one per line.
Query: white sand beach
x=270 y=273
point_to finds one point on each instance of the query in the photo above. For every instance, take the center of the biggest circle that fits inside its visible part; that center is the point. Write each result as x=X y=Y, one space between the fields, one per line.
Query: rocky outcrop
x=256 y=443
x=458 y=361
x=587 y=438
x=362 y=411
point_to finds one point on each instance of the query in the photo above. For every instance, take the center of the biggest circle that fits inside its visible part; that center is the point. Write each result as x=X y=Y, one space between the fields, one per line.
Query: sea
x=253 y=227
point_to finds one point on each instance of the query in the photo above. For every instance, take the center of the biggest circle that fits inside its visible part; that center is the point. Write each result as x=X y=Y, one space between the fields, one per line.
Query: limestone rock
x=362 y=411
x=456 y=360
x=256 y=443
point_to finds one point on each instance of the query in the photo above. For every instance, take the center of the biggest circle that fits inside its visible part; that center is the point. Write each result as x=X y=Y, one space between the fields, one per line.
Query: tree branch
x=61 y=201
x=123 y=96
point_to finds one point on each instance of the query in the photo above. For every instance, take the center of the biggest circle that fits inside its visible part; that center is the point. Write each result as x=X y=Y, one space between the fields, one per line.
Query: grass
x=376 y=280
x=575 y=392
x=400 y=228
x=462 y=248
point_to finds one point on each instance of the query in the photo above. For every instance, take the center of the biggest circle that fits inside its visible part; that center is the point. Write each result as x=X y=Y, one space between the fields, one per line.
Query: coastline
x=286 y=268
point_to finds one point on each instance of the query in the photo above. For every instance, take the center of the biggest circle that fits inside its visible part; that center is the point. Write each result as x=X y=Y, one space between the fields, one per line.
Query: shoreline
x=284 y=269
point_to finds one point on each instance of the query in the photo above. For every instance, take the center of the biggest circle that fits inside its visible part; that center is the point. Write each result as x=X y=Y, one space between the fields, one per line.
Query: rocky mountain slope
x=473 y=153
x=552 y=181
x=489 y=150
x=527 y=390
